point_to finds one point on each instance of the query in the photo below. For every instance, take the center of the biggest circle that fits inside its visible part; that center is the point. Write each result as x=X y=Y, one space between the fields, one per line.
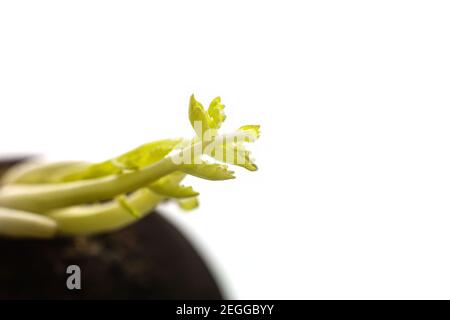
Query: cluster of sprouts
x=44 y=200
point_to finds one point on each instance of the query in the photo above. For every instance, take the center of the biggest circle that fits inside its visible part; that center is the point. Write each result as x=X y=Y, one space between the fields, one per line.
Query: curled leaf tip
x=188 y=204
x=216 y=113
x=252 y=130
x=206 y=123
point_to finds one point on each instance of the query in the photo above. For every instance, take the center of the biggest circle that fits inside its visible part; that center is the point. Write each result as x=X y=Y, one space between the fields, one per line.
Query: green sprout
x=44 y=200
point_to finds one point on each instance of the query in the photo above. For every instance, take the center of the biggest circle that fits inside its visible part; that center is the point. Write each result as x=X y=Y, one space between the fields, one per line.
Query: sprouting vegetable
x=70 y=198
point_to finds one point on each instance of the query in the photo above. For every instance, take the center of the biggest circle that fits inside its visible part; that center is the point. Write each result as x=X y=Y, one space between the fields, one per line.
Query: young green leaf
x=96 y=170
x=198 y=117
x=188 y=204
x=235 y=154
x=206 y=123
x=216 y=113
x=135 y=159
x=253 y=132
x=147 y=154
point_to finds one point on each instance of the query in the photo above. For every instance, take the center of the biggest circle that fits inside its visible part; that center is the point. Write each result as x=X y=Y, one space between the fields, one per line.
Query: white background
x=352 y=199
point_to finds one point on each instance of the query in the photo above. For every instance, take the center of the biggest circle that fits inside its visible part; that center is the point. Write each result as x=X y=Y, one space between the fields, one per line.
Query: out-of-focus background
x=352 y=196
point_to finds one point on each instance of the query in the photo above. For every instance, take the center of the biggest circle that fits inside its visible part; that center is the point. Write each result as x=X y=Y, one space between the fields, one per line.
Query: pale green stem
x=37 y=172
x=43 y=197
x=15 y=223
x=96 y=218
